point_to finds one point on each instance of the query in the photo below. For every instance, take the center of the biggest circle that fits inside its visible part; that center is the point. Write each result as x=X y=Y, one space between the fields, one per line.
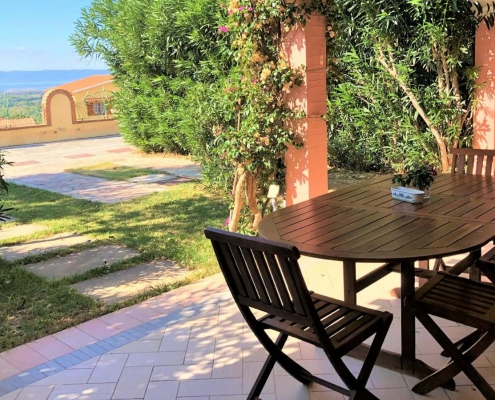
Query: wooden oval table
x=362 y=223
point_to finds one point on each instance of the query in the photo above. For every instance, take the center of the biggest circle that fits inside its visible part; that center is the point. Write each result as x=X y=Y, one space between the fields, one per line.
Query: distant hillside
x=41 y=80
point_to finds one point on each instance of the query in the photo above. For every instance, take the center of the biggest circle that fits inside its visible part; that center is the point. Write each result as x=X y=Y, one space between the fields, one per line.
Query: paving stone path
x=88 y=187
x=20 y=230
x=121 y=285
x=39 y=246
x=83 y=261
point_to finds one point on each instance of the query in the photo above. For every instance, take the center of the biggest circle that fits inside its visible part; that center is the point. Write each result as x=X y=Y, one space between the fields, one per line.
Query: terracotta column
x=484 y=115
x=307 y=174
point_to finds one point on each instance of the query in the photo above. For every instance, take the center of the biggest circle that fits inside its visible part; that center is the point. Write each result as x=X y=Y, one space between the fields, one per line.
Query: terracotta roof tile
x=83 y=83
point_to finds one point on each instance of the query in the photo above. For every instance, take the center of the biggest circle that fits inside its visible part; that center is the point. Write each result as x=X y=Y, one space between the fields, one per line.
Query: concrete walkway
x=192 y=344
x=42 y=166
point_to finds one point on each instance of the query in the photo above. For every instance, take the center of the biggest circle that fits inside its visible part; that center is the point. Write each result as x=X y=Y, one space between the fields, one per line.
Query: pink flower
x=227 y=221
x=250 y=8
x=222 y=29
x=224 y=154
x=255 y=80
x=241 y=8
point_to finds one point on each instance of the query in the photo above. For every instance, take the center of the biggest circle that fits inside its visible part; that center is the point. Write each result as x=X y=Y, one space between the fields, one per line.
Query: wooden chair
x=470 y=162
x=464 y=301
x=265 y=275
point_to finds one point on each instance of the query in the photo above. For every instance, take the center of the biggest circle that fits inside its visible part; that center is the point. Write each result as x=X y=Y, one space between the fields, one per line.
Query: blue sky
x=34 y=35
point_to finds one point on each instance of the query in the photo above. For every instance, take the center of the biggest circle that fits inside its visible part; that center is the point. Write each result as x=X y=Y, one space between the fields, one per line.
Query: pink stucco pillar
x=307 y=174
x=484 y=115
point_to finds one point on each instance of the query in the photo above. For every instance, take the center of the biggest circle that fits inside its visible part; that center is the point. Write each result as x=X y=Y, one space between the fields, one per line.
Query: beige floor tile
x=210 y=387
x=35 y=393
x=392 y=394
x=228 y=366
x=108 y=368
x=200 y=350
x=385 y=379
x=465 y=393
x=96 y=391
x=181 y=372
x=12 y=395
x=90 y=364
x=250 y=372
x=326 y=396
x=162 y=391
x=139 y=346
x=287 y=388
x=175 y=339
x=133 y=383
x=316 y=367
x=156 y=358
x=67 y=377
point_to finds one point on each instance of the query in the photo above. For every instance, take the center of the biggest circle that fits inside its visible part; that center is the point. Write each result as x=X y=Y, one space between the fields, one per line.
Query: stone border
x=86 y=353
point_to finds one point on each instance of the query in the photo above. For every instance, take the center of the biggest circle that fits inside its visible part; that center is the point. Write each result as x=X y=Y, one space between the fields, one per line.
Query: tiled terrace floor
x=192 y=344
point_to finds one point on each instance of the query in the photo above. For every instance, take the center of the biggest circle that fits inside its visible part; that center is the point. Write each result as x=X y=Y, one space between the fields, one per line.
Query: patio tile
x=200 y=350
x=181 y=372
x=201 y=387
x=139 y=346
x=75 y=338
x=133 y=383
x=250 y=372
x=23 y=357
x=154 y=358
x=98 y=329
x=121 y=322
x=96 y=391
x=385 y=379
x=175 y=339
x=227 y=366
x=89 y=364
x=108 y=369
x=392 y=394
x=67 y=377
x=11 y=395
x=35 y=393
x=20 y=230
x=140 y=312
x=325 y=396
x=465 y=393
x=50 y=347
x=7 y=369
x=290 y=389
x=162 y=391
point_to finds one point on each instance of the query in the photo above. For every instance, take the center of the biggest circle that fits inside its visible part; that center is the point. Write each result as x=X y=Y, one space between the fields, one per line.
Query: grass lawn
x=113 y=171
x=162 y=225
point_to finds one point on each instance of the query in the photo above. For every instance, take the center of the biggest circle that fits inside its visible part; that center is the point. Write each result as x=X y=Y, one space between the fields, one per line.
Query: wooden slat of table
x=331 y=229
x=399 y=242
x=349 y=216
x=360 y=241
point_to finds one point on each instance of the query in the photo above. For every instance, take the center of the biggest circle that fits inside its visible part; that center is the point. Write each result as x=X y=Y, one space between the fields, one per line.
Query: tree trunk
x=234 y=221
x=251 y=200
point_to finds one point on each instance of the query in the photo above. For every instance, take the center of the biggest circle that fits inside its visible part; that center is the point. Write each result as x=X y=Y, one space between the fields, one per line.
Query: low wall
x=59 y=115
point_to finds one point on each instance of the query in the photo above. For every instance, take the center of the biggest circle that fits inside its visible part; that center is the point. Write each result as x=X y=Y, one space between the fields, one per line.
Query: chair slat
x=470 y=164
x=480 y=160
x=255 y=274
x=342 y=323
x=291 y=285
x=245 y=276
x=489 y=165
x=351 y=328
x=222 y=251
x=279 y=282
x=267 y=279
x=461 y=160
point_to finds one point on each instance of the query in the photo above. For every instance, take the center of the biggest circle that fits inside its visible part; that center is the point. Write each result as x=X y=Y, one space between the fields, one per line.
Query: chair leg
x=465 y=343
x=439 y=263
x=460 y=361
x=267 y=368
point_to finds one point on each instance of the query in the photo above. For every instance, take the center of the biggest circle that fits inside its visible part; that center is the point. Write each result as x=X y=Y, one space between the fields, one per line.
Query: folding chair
x=265 y=275
x=470 y=162
x=464 y=301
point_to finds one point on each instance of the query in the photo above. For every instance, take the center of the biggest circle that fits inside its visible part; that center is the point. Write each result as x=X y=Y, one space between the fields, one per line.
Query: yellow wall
x=60 y=124
x=101 y=91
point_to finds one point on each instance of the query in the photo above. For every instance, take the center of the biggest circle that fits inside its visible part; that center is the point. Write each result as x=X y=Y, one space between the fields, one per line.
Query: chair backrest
x=264 y=275
x=472 y=161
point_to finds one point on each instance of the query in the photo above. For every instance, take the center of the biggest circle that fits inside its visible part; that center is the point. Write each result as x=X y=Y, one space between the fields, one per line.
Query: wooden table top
x=363 y=222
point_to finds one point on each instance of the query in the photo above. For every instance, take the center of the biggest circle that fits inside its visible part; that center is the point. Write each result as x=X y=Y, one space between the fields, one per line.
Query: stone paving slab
x=87 y=187
x=33 y=247
x=188 y=171
x=83 y=261
x=20 y=230
x=121 y=285
x=153 y=178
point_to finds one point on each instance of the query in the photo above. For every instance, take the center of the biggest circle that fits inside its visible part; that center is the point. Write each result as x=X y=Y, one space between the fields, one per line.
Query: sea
x=31 y=86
